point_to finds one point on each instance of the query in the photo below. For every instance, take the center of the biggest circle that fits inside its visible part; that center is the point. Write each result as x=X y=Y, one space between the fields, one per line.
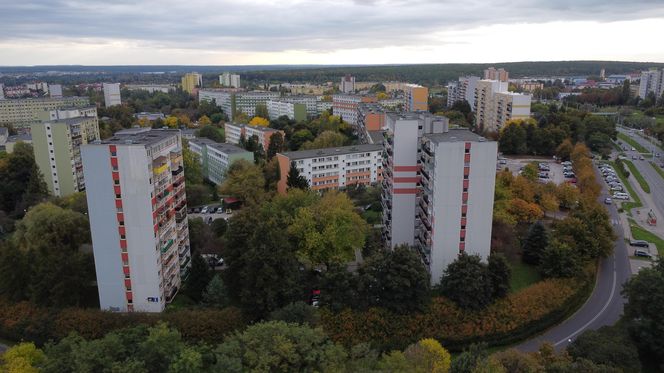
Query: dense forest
x=425 y=74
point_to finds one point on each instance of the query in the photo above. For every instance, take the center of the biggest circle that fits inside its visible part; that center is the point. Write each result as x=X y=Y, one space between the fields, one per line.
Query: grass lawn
x=638 y=176
x=632 y=142
x=523 y=275
x=641 y=234
x=658 y=169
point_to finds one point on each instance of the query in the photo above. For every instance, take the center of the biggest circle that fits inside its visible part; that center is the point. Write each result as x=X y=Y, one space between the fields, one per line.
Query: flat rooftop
x=454 y=135
x=412 y=115
x=313 y=153
x=377 y=136
x=139 y=136
x=221 y=146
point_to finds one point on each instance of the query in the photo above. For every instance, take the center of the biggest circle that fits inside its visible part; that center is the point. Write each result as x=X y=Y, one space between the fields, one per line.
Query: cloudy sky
x=240 y=32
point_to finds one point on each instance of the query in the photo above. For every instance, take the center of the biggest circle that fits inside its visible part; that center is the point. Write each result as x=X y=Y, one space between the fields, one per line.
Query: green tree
x=198 y=279
x=245 y=181
x=466 y=282
x=261 y=111
x=327 y=139
x=328 y=231
x=564 y=150
x=559 y=260
x=534 y=243
x=469 y=359
x=277 y=346
x=215 y=293
x=644 y=311
x=14 y=272
x=219 y=227
x=295 y=180
x=276 y=145
x=297 y=312
x=22 y=358
x=60 y=273
x=211 y=132
x=513 y=139
x=609 y=345
x=396 y=280
x=192 y=167
x=300 y=137
x=499 y=274
x=340 y=288
x=22 y=185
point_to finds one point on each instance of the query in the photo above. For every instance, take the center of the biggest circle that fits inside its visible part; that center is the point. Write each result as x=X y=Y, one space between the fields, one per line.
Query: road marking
x=613 y=290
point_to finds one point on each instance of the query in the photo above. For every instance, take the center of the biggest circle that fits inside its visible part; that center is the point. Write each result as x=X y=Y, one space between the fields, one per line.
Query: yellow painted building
x=190 y=81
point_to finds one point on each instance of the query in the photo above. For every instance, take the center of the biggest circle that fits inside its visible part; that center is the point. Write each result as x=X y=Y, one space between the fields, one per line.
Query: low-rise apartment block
x=216 y=157
x=138 y=218
x=345 y=106
x=333 y=168
x=283 y=107
x=21 y=113
x=235 y=132
x=151 y=88
x=57 y=146
x=233 y=101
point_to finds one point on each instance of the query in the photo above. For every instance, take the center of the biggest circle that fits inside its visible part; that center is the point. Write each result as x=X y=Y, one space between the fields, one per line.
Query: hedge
x=511 y=319
x=24 y=321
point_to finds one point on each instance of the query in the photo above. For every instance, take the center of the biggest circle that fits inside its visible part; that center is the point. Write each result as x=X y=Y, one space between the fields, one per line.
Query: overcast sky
x=239 y=32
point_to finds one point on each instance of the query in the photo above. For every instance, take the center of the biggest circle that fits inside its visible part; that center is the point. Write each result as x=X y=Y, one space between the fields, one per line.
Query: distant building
x=294 y=111
x=11 y=141
x=149 y=116
x=370 y=121
x=2 y=91
x=652 y=81
x=464 y=89
x=151 y=88
x=55 y=91
x=500 y=75
x=234 y=133
x=191 y=81
x=57 y=146
x=345 y=106
x=417 y=97
x=233 y=101
x=347 y=84
x=112 y=94
x=137 y=207
x=216 y=157
x=229 y=80
x=495 y=105
x=21 y=113
x=333 y=168
x=530 y=86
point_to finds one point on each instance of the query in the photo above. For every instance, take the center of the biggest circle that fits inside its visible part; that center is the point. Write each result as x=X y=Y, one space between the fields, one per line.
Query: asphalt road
x=605 y=304
x=654 y=180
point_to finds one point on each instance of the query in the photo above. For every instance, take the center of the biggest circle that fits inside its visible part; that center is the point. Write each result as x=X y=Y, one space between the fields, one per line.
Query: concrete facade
x=21 y=113
x=112 y=94
x=216 y=157
x=495 y=106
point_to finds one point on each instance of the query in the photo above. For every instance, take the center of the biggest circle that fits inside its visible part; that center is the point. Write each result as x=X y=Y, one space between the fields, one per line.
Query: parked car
x=642 y=253
x=639 y=243
x=635 y=157
x=641 y=158
x=608 y=200
x=622 y=196
x=197 y=210
x=543 y=175
x=617 y=188
x=220 y=210
x=633 y=149
x=204 y=210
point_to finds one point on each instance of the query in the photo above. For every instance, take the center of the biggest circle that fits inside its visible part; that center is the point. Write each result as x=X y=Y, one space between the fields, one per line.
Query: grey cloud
x=281 y=25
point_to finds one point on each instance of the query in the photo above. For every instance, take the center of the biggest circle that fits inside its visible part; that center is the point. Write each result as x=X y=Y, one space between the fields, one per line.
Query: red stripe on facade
x=125 y=269
x=406 y=179
x=122 y=230
x=117 y=189
x=123 y=244
x=462 y=246
x=464 y=209
x=468 y=145
x=465 y=183
x=466 y=171
x=115 y=175
x=406 y=190
x=466 y=158
x=406 y=168
x=118 y=203
x=114 y=162
x=113 y=148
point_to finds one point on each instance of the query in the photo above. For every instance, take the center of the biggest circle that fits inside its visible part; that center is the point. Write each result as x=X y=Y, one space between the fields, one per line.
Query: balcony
x=185 y=262
x=168 y=245
x=178 y=171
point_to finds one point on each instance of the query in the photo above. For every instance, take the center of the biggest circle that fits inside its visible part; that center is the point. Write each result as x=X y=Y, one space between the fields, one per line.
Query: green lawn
x=632 y=142
x=638 y=176
x=658 y=169
x=523 y=275
x=641 y=234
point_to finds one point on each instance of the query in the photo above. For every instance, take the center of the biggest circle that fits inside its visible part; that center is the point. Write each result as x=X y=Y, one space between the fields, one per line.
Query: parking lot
x=210 y=215
x=555 y=173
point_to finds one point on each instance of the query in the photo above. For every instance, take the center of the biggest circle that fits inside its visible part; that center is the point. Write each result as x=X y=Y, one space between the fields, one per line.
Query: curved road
x=605 y=304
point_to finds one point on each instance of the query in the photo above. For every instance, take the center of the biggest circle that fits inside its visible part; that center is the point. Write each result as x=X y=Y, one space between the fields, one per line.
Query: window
x=465 y=177
x=463 y=214
x=462 y=239
x=118 y=196
x=114 y=154
x=123 y=237
x=467 y=151
x=116 y=182
x=465 y=190
x=463 y=227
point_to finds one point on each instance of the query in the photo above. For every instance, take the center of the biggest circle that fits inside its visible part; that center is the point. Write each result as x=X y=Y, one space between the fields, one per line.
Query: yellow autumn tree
x=381 y=96
x=428 y=355
x=258 y=121
x=22 y=358
x=171 y=121
x=144 y=122
x=204 y=120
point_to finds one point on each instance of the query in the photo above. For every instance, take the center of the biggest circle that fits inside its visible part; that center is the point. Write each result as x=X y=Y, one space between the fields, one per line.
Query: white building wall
x=403 y=205
x=112 y=94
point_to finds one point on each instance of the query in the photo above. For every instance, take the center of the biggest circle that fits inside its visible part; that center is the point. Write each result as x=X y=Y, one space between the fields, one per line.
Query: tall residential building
x=345 y=106
x=417 y=97
x=492 y=74
x=370 y=123
x=138 y=218
x=234 y=132
x=112 y=94
x=347 y=84
x=191 y=81
x=652 y=81
x=55 y=91
x=233 y=101
x=455 y=204
x=21 y=113
x=2 y=91
x=333 y=168
x=464 y=89
x=229 y=80
x=293 y=110
x=495 y=106
x=216 y=157
x=401 y=166
x=57 y=145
